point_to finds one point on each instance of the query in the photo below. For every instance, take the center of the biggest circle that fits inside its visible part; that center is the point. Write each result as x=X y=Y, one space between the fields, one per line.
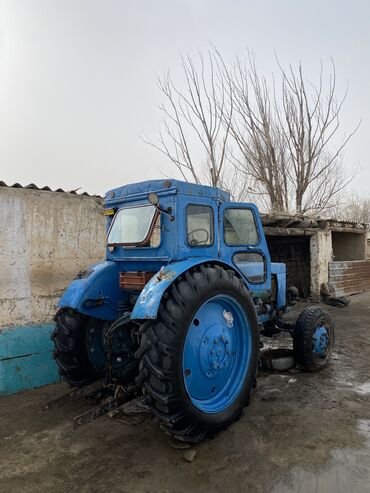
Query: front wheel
x=198 y=360
x=313 y=338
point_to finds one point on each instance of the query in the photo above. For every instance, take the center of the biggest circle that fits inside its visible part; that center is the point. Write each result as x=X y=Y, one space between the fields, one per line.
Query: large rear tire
x=198 y=360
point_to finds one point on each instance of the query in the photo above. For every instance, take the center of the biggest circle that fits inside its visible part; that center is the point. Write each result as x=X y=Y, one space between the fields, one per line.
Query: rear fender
x=147 y=304
x=95 y=292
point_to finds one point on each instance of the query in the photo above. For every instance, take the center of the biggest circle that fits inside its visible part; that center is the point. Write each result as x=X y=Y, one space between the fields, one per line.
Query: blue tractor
x=177 y=308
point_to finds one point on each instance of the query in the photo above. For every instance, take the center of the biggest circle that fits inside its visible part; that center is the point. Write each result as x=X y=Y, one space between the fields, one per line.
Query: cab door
x=242 y=243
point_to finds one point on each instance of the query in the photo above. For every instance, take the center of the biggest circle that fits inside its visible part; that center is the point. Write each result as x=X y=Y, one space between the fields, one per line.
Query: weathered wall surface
x=321 y=254
x=349 y=246
x=350 y=277
x=45 y=239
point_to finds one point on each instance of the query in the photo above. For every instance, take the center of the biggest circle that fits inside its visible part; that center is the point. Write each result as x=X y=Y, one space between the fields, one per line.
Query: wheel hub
x=215 y=350
x=320 y=340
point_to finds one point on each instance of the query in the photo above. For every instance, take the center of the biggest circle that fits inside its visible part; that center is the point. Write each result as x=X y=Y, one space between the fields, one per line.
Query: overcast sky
x=78 y=88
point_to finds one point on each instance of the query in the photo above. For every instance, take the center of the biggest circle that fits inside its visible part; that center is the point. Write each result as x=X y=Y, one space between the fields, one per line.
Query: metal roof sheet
x=32 y=186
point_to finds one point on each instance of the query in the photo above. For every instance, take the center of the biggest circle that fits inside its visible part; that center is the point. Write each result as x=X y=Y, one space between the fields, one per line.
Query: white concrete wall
x=45 y=239
x=321 y=254
x=349 y=246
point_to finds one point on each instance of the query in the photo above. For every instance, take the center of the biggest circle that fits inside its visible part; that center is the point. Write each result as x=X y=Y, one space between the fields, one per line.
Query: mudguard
x=147 y=304
x=95 y=292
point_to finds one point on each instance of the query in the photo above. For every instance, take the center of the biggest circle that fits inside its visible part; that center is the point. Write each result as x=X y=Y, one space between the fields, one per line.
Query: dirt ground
x=302 y=433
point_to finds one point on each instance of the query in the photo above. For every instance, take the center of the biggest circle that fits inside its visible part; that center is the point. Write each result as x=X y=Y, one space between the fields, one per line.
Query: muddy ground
x=302 y=433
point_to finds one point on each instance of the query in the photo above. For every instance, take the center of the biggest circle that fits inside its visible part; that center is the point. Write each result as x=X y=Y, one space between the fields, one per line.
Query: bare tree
x=270 y=142
x=310 y=121
x=197 y=120
x=355 y=208
x=258 y=136
x=285 y=134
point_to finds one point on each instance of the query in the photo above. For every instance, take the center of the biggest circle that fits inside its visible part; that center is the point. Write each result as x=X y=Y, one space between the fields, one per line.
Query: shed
x=318 y=250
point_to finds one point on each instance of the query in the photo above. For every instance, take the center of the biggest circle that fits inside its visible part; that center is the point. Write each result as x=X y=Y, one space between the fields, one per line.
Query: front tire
x=198 y=360
x=313 y=338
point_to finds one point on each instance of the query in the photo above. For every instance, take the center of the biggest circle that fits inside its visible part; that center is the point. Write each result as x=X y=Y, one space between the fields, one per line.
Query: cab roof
x=167 y=185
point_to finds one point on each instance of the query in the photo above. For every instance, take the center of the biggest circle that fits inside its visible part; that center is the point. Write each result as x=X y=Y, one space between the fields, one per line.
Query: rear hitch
x=111 y=397
x=120 y=396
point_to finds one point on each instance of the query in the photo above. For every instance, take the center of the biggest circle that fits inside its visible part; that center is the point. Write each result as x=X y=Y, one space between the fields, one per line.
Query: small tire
x=163 y=351
x=70 y=351
x=313 y=338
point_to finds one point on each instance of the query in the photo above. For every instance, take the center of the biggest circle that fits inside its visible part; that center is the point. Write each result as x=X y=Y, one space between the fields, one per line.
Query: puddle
x=348 y=470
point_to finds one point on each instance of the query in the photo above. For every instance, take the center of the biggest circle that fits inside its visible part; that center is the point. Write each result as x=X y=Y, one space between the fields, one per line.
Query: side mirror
x=153 y=199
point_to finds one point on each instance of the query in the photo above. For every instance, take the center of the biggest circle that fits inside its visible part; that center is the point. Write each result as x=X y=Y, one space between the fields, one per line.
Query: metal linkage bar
x=122 y=396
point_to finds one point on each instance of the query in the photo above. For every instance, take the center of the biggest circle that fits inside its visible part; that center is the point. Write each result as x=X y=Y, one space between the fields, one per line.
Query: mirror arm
x=167 y=211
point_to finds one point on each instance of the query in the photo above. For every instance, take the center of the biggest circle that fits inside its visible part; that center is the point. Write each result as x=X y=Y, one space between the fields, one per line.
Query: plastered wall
x=349 y=246
x=45 y=239
x=321 y=254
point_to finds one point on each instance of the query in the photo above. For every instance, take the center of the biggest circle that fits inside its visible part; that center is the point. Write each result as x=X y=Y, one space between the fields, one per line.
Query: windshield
x=132 y=226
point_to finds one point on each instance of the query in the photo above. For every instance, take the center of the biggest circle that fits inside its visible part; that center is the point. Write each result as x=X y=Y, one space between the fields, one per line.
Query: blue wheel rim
x=217 y=354
x=320 y=341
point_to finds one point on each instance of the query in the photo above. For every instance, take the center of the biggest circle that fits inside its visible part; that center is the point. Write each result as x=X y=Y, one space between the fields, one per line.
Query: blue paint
x=147 y=305
x=26 y=358
x=217 y=354
x=280 y=271
x=162 y=187
x=227 y=252
x=97 y=294
x=320 y=341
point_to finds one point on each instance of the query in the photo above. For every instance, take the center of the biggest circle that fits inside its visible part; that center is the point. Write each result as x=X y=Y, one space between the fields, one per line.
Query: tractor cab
x=153 y=224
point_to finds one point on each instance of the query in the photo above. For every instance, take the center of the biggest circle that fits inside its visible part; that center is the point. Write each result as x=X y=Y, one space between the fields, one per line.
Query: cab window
x=135 y=226
x=240 y=227
x=199 y=225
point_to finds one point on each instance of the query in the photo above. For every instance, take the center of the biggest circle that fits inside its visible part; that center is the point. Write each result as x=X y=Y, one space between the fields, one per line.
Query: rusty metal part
x=350 y=277
x=134 y=281
x=86 y=392
x=121 y=396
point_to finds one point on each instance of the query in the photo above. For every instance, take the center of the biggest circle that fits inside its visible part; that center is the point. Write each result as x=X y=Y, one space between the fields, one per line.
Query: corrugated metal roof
x=32 y=186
